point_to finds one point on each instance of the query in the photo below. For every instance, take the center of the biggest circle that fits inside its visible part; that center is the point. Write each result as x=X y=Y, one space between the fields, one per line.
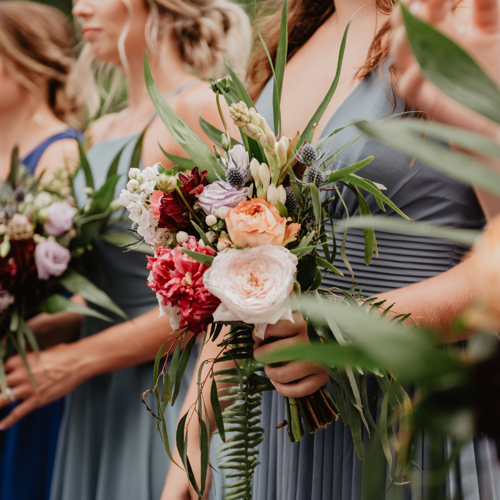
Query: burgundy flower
x=173 y=213
x=18 y=268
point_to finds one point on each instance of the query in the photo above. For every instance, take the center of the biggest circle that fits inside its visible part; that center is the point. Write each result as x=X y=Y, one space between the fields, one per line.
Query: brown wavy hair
x=37 y=45
x=304 y=18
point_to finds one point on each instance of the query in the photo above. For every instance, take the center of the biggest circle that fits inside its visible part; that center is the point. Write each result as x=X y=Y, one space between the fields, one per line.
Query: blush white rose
x=253 y=285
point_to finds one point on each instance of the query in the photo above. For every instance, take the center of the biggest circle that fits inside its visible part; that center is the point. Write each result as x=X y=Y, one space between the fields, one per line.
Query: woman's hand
x=294 y=379
x=477 y=31
x=56 y=372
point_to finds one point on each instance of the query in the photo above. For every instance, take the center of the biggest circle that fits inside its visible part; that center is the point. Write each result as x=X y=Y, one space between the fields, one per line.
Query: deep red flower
x=173 y=212
x=18 y=268
x=178 y=281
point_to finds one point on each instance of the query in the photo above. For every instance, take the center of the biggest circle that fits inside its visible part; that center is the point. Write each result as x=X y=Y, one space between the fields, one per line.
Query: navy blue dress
x=27 y=450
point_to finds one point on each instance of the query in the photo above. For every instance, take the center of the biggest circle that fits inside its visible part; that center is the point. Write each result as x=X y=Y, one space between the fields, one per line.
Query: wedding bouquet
x=43 y=235
x=236 y=234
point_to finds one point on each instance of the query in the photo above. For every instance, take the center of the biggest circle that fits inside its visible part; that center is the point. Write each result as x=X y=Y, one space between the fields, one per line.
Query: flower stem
x=298 y=432
x=226 y=129
x=186 y=204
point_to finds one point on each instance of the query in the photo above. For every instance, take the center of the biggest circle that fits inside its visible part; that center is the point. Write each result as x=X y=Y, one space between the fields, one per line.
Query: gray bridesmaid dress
x=324 y=465
x=108 y=448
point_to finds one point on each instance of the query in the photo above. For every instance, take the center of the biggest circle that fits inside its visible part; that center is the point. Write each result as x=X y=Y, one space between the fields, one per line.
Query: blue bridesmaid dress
x=27 y=450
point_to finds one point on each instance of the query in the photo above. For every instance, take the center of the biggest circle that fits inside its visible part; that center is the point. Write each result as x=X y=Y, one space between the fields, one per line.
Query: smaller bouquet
x=43 y=235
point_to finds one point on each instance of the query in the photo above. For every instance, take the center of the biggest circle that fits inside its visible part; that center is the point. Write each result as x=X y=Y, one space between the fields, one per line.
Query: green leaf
x=5 y=246
x=327 y=265
x=451 y=68
x=84 y=164
x=340 y=174
x=308 y=133
x=373 y=189
x=28 y=333
x=357 y=438
x=14 y=167
x=466 y=237
x=58 y=303
x=214 y=399
x=456 y=165
x=306 y=271
x=368 y=232
x=181 y=367
x=184 y=163
x=135 y=160
x=198 y=257
x=181 y=132
x=316 y=202
x=113 y=168
x=214 y=134
x=79 y=285
x=204 y=451
x=282 y=209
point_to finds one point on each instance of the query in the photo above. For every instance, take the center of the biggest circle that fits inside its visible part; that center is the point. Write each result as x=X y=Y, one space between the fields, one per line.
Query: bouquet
x=43 y=235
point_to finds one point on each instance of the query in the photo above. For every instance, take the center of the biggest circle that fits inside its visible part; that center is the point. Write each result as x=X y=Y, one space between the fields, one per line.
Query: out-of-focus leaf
x=14 y=167
x=181 y=367
x=339 y=174
x=214 y=399
x=184 y=163
x=368 y=231
x=316 y=202
x=79 y=285
x=456 y=165
x=451 y=68
x=135 y=160
x=113 y=168
x=58 y=303
x=214 y=134
x=84 y=165
x=465 y=237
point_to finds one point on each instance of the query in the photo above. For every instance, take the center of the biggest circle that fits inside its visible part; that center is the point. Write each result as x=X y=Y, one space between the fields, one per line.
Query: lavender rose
x=52 y=259
x=221 y=195
x=60 y=218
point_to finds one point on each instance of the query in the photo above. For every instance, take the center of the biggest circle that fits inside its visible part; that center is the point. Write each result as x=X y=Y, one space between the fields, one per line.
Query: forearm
x=437 y=302
x=126 y=344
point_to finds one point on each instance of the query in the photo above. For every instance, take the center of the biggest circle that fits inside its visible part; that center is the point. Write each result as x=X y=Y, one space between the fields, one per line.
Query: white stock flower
x=134 y=173
x=253 y=285
x=133 y=185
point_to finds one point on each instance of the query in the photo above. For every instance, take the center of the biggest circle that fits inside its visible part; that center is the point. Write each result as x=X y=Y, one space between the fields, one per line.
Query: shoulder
x=99 y=127
x=63 y=152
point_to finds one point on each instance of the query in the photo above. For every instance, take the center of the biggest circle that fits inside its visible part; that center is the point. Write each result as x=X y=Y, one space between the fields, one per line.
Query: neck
x=23 y=123
x=168 y=74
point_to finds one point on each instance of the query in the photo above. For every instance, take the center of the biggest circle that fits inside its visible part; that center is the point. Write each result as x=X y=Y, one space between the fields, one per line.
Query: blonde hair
x=203 y=31
x=36 y=43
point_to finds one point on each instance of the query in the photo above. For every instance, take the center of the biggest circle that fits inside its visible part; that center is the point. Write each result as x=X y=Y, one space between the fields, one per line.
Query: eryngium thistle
x=235 y=177
x=308 y=154
x=315 y=176
x=291 y=202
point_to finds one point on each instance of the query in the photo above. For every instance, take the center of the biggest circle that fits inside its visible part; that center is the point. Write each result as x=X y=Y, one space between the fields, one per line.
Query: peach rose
x=253 y=285
x=256 y=222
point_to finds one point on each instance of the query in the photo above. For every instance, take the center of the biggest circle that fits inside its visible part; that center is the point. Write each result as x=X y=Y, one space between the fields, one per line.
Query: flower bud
x=133 y=185
x=282 y=148
x=264 y=175
x=272 y=195
x=262 y=123
x=134 y=173
x=222 y=212
x=253 y=117
x=271 y=139
x=210 y=220
x=182 y=237
x=222 y=244
x=251 y=130
x=211 y=236
x=224 y=142
x=166 y=183
x=263 y=141
x=88 y=190
x=282 y=194
x=254 y=169
x=201 y=244
x=115 y=205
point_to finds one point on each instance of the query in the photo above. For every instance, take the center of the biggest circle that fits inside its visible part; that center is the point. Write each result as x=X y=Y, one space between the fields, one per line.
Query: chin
x=105 y=54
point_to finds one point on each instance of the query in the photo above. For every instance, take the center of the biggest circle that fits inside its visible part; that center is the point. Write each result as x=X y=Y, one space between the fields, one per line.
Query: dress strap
x=30 y=161
x=178 y=90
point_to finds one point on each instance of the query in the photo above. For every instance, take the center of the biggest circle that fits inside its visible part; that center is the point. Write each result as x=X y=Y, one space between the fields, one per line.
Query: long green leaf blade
x=58 y=303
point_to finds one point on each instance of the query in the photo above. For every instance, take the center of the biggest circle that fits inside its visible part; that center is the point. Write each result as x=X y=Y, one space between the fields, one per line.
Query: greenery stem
x=187 y=205
x=298 y=432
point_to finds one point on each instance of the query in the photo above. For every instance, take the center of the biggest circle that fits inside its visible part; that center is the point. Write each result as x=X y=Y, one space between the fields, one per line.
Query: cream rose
x=253 y=285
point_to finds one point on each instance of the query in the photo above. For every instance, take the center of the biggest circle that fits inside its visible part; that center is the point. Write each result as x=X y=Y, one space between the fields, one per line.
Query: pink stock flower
x=256 y=223
x=177 y=279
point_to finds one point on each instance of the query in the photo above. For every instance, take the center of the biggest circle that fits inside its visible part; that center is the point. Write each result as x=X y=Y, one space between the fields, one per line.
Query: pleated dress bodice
x=324 y=465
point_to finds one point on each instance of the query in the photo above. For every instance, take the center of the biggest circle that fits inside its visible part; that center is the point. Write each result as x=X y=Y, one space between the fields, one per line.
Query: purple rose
x=60 y=219
x=52 y=259
x=221 y=195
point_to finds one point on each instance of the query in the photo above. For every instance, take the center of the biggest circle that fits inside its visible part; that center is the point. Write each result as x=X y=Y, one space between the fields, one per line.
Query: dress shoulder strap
x=31 y=160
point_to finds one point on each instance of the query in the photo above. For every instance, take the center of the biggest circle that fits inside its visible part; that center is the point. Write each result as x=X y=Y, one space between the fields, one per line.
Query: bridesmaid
x=108 y=446
x=39 y=105
x=422 y=276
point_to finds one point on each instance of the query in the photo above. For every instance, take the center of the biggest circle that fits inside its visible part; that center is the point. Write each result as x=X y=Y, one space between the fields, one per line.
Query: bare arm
x=59 y=370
